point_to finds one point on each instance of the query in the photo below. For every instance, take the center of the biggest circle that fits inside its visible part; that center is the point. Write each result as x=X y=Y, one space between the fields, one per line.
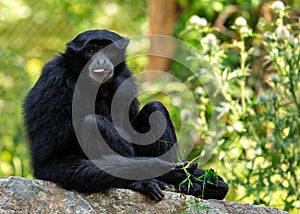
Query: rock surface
x=21 y=195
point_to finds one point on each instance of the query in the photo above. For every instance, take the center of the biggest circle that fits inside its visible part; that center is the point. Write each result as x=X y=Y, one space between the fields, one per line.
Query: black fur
x=55 y=150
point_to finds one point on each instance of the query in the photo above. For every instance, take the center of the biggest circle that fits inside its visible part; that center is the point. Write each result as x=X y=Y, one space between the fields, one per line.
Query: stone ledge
x=22 y=195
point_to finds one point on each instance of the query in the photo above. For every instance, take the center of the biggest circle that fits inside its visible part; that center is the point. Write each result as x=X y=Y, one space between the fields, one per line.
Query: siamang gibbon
x=74 y=141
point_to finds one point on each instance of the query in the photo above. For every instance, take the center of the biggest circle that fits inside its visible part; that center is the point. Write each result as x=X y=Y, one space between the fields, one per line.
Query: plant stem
x=243 y=69
x=295 y=97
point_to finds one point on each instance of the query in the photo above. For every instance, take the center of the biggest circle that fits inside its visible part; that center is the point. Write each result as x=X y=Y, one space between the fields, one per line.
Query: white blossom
x=210 y=39
x=282 y=32
x=199 y=91
x=245 y=30
x=278 y=6
x=196 y=20
x=240 y=21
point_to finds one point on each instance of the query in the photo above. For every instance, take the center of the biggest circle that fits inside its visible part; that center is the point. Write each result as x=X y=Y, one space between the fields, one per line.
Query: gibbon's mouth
x=102 y=71
x=99 y=70
x=100 y=74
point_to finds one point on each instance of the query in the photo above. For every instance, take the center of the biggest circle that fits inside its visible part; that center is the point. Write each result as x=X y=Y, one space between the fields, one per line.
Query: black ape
x=61 y=115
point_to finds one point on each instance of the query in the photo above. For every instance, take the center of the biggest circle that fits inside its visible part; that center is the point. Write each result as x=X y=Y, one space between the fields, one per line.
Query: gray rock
x=22 y=195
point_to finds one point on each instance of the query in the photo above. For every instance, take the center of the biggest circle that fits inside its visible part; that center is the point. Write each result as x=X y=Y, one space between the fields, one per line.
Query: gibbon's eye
x=90 y=51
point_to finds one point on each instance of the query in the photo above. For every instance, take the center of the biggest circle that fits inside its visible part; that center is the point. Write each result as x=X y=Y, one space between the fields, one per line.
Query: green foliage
x=260 y=147
x=209 y=174
x=279 y=115
x=13 y=150
x=231 y=9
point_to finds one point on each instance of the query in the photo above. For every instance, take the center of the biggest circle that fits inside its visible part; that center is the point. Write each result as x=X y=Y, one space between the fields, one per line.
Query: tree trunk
x=163 y=14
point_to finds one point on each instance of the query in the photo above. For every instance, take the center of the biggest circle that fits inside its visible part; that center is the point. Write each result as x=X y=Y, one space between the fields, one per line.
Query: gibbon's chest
x=114 y=99
x=103 y=106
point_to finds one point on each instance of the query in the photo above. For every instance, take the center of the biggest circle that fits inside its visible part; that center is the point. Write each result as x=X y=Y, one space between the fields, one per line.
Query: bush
x=260 y=147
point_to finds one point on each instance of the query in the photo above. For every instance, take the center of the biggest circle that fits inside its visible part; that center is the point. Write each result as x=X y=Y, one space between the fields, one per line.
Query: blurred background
x=253 y=45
